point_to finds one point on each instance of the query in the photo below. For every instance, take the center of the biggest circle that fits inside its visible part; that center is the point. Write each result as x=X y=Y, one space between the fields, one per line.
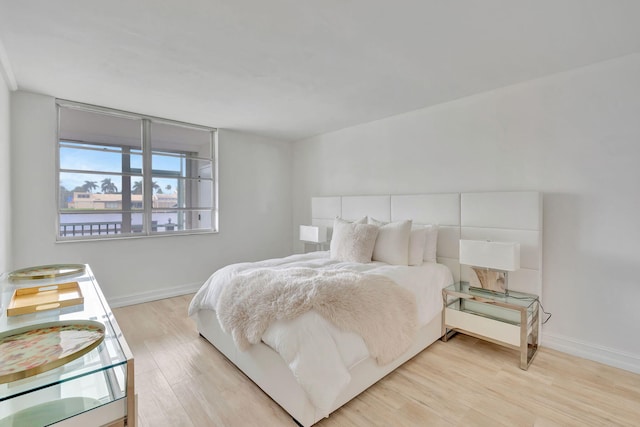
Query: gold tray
x=48 y=297
x=34 y=349
x=46 y=271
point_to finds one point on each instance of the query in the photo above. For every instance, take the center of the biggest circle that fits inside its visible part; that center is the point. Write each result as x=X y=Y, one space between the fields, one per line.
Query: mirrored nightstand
x=508 y=320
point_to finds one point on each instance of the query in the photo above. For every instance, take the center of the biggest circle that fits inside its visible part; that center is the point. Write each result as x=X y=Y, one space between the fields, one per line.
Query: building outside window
x=123 y=174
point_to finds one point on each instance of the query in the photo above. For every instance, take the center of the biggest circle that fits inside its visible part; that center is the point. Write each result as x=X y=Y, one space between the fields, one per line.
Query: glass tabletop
x=514 y=298
x=107 y=355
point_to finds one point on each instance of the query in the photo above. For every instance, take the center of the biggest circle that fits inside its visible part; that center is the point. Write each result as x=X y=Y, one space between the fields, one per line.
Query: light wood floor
x=182 y=380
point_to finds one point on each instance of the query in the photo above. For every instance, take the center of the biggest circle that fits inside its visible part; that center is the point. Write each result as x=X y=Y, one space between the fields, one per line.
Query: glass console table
x=96 y=388
x=508 y=320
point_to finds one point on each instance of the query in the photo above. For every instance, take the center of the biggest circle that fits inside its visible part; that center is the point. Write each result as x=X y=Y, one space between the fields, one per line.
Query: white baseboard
x=154 y=295
x=597 y=353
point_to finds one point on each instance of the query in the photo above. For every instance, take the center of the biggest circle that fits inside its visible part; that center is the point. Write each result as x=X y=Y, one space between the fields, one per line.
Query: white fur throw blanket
x=380 y=311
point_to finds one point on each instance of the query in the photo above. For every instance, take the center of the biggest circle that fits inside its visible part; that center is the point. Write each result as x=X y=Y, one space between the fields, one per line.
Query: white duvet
x=319 y=354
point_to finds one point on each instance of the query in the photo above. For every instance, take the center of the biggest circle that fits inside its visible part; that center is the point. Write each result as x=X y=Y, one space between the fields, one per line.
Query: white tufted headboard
x=499 y=216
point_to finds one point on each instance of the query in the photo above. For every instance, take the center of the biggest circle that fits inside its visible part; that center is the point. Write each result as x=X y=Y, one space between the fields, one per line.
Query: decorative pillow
x=417 y=241
x=431 y=244
x=392 y=244
x=362 y=220
x=353 y=241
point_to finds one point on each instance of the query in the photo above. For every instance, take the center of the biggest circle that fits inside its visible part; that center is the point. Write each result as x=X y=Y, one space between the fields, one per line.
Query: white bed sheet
x=318 y=353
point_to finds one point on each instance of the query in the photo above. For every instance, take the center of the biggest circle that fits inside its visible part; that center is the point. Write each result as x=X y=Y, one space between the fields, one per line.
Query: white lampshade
x=313 y=233
x=503 y=256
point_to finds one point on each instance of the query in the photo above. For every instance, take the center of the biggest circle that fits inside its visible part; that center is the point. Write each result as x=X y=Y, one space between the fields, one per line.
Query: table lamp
x=491 y=262
x=313 y=234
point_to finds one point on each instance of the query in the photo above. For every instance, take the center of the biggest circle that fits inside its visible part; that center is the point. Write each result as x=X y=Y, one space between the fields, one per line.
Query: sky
x=80 y=159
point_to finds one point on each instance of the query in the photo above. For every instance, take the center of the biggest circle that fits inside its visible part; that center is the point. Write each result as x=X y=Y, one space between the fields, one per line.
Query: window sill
x=132 y=236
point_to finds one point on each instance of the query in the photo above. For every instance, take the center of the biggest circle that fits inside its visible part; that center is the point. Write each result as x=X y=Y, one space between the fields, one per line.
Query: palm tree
x=89 y=186
x=168 y=187
x=137 y=188
x=108 y=186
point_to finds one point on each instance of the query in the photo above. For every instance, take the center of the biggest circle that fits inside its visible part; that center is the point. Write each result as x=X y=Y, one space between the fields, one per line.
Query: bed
x=282 y=374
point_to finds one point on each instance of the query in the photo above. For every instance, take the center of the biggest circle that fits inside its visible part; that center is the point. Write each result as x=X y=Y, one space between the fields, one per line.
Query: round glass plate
x=34 y=349
x=46 y=271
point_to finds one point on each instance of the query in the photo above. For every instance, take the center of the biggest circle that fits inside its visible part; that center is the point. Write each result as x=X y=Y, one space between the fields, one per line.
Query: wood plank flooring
x=182 y=380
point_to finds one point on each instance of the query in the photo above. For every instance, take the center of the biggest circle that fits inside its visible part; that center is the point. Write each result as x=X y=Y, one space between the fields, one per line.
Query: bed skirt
x=267 y=369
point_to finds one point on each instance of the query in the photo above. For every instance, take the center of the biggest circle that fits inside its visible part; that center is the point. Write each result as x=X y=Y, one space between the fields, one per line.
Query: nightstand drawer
x=483 y=326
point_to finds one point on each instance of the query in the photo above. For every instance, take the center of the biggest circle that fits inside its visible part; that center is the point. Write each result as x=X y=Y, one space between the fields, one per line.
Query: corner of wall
x=5 y=178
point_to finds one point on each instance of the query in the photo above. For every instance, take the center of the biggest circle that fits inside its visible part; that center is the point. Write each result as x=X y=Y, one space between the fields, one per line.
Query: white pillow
x=353 y=241
x=392 y=244
x=431 y=244
x=362 y=220
x=417 y=241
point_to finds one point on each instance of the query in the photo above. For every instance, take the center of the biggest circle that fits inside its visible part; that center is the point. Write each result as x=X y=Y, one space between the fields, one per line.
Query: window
x=123 y=174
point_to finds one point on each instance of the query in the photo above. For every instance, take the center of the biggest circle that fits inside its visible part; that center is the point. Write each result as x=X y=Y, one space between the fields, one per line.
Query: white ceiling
x=296 y=68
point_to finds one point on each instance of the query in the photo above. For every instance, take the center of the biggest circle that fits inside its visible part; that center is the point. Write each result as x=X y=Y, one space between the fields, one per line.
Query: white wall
x=255 y=213
x=5 y=180
x=574 y=136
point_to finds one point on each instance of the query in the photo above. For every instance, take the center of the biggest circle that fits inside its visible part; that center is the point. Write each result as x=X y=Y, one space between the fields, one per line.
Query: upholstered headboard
x=498 y=216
